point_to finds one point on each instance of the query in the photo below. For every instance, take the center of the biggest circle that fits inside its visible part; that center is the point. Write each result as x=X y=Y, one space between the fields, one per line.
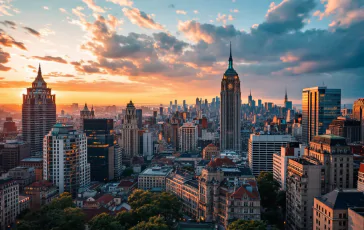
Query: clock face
x=230 y=86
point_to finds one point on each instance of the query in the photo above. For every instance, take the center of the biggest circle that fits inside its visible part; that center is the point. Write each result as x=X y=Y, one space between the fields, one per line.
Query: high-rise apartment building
x=65 y=159
x=292 y=150
x=139 y=116
x=320 y=106
x=38 y=114
x=188 y=134
x=118 y=161
x=230 y=109
x=147 y=144
x=12 y=152
x=261 y=149
x=358 y=114
x=9 y=206
x=100 y=148
x=303 y=184
x=129 y=140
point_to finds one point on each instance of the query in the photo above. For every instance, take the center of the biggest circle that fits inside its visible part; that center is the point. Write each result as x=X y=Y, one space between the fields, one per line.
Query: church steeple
x=230 y=59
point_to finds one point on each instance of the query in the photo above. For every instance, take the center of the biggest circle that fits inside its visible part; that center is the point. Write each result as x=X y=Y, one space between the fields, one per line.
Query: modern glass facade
x=320 y=106
x=100 y=148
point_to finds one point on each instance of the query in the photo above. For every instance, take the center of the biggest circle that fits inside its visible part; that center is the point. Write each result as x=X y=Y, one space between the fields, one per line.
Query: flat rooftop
x=33 y=159
x=156 y=171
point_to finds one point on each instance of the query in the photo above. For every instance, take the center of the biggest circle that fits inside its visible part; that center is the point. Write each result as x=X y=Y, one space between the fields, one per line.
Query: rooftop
x=156 y=171
x=343 y=199
x=32 y=159
x=330 y=139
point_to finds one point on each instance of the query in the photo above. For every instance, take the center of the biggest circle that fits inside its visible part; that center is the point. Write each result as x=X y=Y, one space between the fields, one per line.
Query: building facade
x=147 y=144
x=361 y=178
x=129 y=140
x=41 y=193
x=9 y=203
x=38 y=114
x=154 y=178
x=12 y=152
x=320 y=106
x=100 y=148
x=188 y=134
x=303 y=184
x=36 y=163
x=210 y=151
x=65 y=159
x=23 y=176
x=230 y=109
x=347 y=128
x=358 y=114
x=86 y=114
x=292 y=150
x=261 y=149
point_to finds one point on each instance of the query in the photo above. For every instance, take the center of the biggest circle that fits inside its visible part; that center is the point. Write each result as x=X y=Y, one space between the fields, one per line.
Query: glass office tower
x=100 y=148
x=320 y=106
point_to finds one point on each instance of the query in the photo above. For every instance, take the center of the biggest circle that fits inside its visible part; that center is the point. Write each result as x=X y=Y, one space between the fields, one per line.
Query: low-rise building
x=330 y=211
x=22 y=175
x=210 y=151
x=36 y=163
x=9 y=202
x=356 y=219
x=12 y=152
x=24 y=203
x=154 y=178
x=41 y=193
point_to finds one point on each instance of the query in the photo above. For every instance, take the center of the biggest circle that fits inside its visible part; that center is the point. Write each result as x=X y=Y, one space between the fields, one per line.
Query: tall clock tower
x=230 y=109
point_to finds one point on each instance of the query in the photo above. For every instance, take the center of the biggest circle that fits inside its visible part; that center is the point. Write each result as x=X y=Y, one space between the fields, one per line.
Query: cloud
x=46 y=7
x=50 y=58
x=4 y=58
x=141 y=19
x=171 y=6
x=59 y=74
x=92 y=5
x=195 y=12
x=122 y=2
x=8 y=41
x=10 y=24
x=234 y=11
x=181 y=12
x=32 y=31
x=289 y=15
x=164 y=41
x=221 y=18
x=6 y=9
x=32 y=67
x=63 y=10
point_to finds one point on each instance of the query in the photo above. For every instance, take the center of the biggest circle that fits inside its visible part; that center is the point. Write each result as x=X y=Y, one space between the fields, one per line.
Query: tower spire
x=230 y=59
x=250 y=92
x=39 y=71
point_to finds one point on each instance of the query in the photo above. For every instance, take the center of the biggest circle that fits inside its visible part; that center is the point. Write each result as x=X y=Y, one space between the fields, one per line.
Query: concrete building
x=210 y=151
x=36 y=163
x=22 y=175
x=303 y=184
x=41 y=193
x=222 y=193
x=292 y=150
x=335 y=156
x=320 y=106
x=9 y=203
x=361 y=178
x=261 y=149
x=129 y=140
x=38 y=114
x=65 y=159
x=331 y=211
x=356 y=218
x=12 y=152
x=347 y=128
x=118 y=161
x=358 y=114
x=230 y=109
x=147 y=145
x=154 y=178
x=188 y=134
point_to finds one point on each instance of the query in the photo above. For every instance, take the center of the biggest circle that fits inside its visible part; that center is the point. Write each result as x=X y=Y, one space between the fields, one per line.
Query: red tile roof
x=126 y=183
x=42 y=183
x=241 y=191
x=105 y=199
x=361 y=169
x=218 y=162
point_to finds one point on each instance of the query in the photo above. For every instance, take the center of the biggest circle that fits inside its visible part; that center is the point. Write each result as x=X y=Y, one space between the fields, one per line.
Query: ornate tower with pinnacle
x=38 y=114
x=230 y=109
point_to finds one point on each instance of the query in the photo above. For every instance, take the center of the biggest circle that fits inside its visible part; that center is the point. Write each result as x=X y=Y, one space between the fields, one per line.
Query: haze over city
x=111 y=51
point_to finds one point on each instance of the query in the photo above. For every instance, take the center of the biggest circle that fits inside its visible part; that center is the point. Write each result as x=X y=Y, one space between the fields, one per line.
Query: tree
x=247 y=225
x=268 y=189
x=154 y=223
x=139 y=198
x=127 y=219
x=104 y=221
x=128 y=172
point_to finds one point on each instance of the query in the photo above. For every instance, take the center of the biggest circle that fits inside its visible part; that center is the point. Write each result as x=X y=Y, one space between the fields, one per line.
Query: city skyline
x=113 y=50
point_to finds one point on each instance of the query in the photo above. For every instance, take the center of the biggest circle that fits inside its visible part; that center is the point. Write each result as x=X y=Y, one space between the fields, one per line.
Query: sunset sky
x=154 y=51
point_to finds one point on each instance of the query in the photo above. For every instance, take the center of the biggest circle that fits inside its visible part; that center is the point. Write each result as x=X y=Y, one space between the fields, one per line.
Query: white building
x=65 y=159
x=9 y=202
x=261 y=149
x=147 y=144
x=280 y=160
x=188 y=134
x=154 y=178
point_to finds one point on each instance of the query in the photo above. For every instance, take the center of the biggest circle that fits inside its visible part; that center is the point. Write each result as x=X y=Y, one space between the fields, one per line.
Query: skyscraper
x=38 y=114
x=139 y=115
x=358 y=114
x=250 y=98
x=230 y=109
x=129 y=134
x=287 y=104
x=188 y=134
x=86 y=114
x=320 y=106
x=65 y=159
